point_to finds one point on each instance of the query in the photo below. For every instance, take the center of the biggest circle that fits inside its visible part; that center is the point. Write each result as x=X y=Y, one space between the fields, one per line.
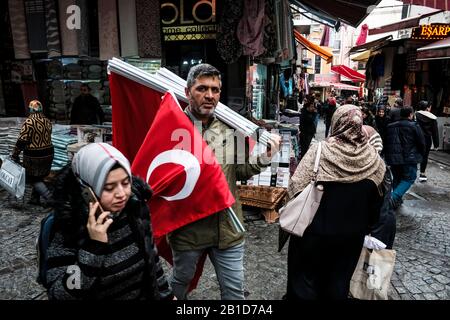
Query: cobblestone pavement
x=422 y=270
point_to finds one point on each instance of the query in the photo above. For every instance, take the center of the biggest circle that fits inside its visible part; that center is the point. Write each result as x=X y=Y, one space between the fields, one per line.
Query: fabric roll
x=108 y=31
x=19 y=29
x=69 y=38
x=52 y=29
x=36 y=25
x=83 y=32
x=148 y=28
x=128 y=28
x=250 y=31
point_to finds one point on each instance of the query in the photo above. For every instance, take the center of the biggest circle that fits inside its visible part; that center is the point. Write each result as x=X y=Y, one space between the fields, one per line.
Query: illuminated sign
x=189 y=20
x=431 y=32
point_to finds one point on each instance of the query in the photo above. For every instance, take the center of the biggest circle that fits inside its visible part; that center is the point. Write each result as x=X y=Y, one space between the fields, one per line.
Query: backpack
x=43 y=240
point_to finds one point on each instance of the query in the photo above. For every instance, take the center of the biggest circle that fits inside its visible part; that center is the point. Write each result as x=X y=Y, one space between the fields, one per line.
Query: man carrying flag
x=215 y=234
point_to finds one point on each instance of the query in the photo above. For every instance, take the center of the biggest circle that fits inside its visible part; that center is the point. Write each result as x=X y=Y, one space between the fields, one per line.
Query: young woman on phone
x=107 y=253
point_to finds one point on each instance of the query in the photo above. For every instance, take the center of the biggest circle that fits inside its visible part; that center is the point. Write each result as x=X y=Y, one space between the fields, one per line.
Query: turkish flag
x=134 y=107
x=187 y=181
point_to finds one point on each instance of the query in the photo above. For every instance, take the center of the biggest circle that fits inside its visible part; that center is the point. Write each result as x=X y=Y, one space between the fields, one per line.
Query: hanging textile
x=287 y=30
x=325 y=41
x=407 y=97
x=250 y=30
x=362 y=38
x=94 y=50
x=270 y=33
x=83 y=32
x=37 y=35
x=18 y=29
x=108 y=31
x=128 y=28
x=148 y=28
x=2 y=100
x=51 y=20
x=228 y=45
x=69 y=38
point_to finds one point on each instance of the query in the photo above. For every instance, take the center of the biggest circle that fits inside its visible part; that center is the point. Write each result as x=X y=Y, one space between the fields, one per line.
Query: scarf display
x=52 y=30
x=128 y=28
x=19 y=29
x=346 y=157
x=36 y=25
x=108 y=29
x=148 y=28
x=69 y=37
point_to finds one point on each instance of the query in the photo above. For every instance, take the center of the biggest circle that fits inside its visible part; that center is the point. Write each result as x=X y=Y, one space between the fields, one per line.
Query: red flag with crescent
x=187 y=181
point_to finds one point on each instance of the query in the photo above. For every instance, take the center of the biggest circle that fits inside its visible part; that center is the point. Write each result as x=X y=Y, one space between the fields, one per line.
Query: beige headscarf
x=346 y=156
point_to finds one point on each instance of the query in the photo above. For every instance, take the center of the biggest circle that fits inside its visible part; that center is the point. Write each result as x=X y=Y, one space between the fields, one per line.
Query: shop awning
x=373 y=45
x=314 y=48
x=349 y=73
x=351 y=12
x=403 y=24
x=337 y=85
x=438 y=4
x=434 y=51
x=365 y=55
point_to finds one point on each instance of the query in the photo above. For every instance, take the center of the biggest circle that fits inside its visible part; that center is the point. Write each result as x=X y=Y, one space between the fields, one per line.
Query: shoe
x=422 y=177
x=395 y=203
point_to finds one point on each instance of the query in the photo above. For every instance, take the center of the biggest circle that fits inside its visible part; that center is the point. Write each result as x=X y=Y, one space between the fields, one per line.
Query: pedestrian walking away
x=322 y=261
x=35 y=141
x=428 y=123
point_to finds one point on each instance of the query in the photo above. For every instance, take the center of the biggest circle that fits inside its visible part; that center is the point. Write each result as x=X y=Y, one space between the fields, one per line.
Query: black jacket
x=428 y=123
x=127 y=267
x=405 y=143
x=308 y=123
x=347 y=209
x=86 y=110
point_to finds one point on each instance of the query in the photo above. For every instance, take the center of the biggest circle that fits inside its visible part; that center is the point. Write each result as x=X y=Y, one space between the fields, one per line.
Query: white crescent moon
x=191 y=167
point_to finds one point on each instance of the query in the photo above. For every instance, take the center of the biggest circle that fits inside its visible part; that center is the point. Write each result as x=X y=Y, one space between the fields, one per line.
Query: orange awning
x=314 y=48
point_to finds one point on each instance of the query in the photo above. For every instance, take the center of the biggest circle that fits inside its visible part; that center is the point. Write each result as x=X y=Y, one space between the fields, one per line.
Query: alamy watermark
x=73 y=21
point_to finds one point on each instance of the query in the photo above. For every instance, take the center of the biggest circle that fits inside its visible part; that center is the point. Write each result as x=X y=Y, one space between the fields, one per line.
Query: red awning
x=347 y=72
x=438 y=4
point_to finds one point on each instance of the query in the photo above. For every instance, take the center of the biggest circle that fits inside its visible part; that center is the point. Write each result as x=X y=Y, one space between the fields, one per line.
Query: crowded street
x=422 y=268
x=234 y=150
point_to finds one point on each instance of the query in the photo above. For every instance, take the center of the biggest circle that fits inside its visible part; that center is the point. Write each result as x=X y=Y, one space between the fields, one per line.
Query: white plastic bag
x=12 y=178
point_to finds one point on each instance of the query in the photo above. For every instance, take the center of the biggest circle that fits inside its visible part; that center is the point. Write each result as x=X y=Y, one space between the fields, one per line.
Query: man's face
x=204 y=95
x=381 y=113
x=84 y=91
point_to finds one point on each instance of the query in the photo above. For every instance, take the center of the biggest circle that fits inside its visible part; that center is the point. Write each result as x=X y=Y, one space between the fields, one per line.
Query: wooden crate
x=266 y=198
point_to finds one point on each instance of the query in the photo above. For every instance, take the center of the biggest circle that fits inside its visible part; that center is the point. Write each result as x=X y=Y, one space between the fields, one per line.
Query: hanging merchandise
x=83 y=32
x=108 y=30
x=128 y=28
x=228 y=45
x=270 y=33
x=36 y=25
x=18 y=29
x=67 y=27
x=148 y=28
x=52 y=30
x=250 y=30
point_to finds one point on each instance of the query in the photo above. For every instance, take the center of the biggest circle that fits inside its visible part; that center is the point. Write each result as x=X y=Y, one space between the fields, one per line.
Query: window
x=317 y=64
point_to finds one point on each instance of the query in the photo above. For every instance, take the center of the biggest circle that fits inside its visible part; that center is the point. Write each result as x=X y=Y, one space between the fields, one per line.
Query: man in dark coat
x=86 y=108
x=428 y=123
x=404 y=149
x=307 y=125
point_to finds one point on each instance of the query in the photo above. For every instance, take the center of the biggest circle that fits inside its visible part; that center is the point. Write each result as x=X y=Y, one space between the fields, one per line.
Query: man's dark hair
x=201 y=70
x=405 y=112
x=85 y=85
x=423 y=105
x=398 y=103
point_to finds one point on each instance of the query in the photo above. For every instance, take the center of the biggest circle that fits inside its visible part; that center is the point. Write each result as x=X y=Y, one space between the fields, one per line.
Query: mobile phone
x=89 y=196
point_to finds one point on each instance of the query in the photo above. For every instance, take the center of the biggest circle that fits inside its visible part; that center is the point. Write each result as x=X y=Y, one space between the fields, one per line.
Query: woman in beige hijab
x=321 y=263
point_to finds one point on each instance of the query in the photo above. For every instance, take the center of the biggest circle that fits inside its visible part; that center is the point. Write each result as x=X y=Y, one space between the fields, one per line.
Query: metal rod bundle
x=165 y=80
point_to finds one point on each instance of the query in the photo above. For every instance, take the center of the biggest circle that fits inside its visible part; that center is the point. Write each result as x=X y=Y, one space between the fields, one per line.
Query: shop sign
x=431 y=32
x=188 y=20
x=330 y=77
